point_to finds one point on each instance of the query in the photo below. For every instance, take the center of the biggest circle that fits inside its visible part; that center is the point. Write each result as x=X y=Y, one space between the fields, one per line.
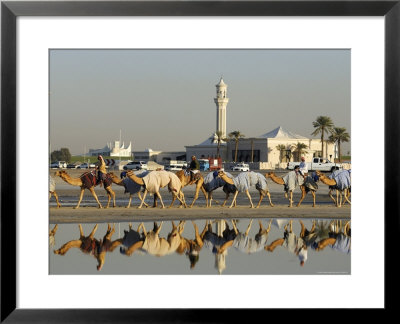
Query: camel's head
x=59 y=173
x=221 y=173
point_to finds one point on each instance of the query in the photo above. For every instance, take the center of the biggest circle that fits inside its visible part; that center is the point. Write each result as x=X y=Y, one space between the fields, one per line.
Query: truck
x=204 y=164
x=318 y=163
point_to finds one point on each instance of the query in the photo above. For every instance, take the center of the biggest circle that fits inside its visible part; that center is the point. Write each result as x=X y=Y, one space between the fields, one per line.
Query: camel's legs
x=62 y=250
x=234 y=226
x=173 y=200
x=226 y=199
x=270 y=201
x=234 y=198
x=251 y=202
x=91 y=235
x=55 y=196
x=144 y=196
x=110 y=193
x=313 y=194
x=199 y=185
x=181 y=198
x=346 y=196
x=261 y=198
x=248 y=227
x=80 y=198
x=95 y=197
x=159 y=196
x=303 y=195
x=291 y=199
x=129 y=202
x=140 y=197
x=330 y=195
x=159 y=228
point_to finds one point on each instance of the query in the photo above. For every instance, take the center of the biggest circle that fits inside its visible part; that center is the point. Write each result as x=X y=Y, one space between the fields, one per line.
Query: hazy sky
x=164 y=99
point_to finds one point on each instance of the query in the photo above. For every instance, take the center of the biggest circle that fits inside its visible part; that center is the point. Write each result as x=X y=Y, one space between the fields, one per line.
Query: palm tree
x=236 y=136
x=322 y=125
x=339 y=135
x=299 y=148
x=281 y=148
x=217 y=136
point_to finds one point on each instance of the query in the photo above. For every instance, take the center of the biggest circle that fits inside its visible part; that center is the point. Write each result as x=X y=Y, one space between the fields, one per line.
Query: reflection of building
x=262 y=148
x=113 y=149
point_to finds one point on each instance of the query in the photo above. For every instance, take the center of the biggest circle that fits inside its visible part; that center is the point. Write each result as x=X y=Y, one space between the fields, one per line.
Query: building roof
x=280 y=132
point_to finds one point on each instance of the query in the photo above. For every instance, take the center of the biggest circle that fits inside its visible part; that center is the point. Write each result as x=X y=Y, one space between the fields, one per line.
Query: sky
x=164 y=99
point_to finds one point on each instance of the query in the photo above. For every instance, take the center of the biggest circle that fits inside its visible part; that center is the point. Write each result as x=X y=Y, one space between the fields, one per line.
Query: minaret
x=221 y=101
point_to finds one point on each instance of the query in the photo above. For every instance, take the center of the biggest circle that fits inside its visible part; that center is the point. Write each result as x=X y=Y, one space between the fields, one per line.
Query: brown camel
x=52 y=191
x=279 y=180
x=79 y=182
x=185 y=180
x=262 y=192
x=342 y=194
x=159 y=179
x=120 y=182
x=92 y=246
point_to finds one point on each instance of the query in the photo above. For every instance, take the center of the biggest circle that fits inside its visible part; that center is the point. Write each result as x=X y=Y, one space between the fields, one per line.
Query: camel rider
x=194 y=168
x=101 y=169
x=303 y=167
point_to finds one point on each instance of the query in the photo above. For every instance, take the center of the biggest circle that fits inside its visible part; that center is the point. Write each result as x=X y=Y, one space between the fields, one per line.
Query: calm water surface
x=176 y=251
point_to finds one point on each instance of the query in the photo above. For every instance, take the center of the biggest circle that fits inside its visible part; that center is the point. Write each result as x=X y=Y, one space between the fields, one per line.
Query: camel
x=242 y=183
x=52 y=191
x=159 y=179
x=90 y=245
x=340 y=193
x=213 y=182
x=132 y=189
x=151 y=243
x=185 y=180
x=303 y=188
x=87 y=181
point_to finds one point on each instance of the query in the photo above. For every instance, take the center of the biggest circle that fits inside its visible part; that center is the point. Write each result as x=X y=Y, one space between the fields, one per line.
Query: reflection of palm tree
x=339 y=135
x=236 y=136
x=322 y=125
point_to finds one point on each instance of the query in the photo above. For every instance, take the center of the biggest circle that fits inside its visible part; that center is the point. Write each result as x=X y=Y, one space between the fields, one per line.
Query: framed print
x=54 y=55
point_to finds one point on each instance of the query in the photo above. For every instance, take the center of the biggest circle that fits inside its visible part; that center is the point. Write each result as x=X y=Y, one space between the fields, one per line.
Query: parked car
x=317 y=163
x=175 y=167
x=136 y=165
x=72 y=166
x=241 y=167
x=58 y=165
x=86 y=166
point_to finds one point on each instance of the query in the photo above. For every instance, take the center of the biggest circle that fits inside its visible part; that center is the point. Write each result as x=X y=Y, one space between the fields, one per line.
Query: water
x=234 y=261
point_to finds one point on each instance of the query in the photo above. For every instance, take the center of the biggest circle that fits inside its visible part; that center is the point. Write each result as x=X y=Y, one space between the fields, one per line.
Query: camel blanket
x=245 y=180
x=159 y=179
x=158 y=246
x=212 y=181
x=52 y=187
x=342 y=178
x=131 y=186
x=245 y=244
x=292 y=180
x=89 y=179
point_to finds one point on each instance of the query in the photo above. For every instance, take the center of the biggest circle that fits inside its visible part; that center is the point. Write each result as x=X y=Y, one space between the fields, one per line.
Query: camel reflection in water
x=90 y=245
x=218 y=242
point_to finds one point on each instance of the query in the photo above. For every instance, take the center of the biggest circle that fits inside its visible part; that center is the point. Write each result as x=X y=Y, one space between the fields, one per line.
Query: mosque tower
x=221 y=101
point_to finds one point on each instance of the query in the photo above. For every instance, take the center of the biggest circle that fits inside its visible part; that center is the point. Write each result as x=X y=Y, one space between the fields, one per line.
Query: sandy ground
x=89 y=213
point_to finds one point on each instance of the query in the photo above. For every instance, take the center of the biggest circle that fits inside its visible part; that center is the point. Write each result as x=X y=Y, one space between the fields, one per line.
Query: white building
x=113 y=149
x=261 y=148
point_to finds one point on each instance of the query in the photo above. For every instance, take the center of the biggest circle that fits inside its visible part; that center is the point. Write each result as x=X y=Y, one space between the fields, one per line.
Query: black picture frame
x=10 y=10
